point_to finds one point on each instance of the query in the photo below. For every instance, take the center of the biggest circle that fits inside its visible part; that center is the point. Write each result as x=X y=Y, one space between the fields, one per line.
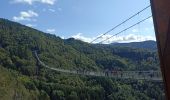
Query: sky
x=82 y=19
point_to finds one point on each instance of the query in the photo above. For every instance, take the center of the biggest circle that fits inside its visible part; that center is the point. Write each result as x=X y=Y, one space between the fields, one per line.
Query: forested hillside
x=20 y=81
x=151 y=45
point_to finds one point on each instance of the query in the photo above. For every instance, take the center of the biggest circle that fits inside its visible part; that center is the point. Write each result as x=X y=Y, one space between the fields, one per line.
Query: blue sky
x=81 y=19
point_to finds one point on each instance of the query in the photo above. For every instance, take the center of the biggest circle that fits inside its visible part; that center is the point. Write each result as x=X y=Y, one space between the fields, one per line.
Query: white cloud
x=121 y=39
x=51 y=2
x=62 y=37
x=127 y=38
x=50 y=30
x=130 y=38
x=83 y=38
x=26 y=16
x=31 y=25
x=24 y=1
x=30 y=2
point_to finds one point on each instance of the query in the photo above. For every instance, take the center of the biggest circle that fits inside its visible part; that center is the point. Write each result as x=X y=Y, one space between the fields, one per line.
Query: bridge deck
x=140 y=75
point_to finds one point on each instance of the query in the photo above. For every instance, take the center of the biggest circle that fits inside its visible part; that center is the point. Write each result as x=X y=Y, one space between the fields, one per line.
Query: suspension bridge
x=139 y=75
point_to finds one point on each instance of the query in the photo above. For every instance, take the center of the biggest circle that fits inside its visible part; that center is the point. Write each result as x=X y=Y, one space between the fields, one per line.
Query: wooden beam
x=161 y=18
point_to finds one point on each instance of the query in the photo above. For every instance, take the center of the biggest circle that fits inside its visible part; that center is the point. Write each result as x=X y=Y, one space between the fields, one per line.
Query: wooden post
x=161 y=18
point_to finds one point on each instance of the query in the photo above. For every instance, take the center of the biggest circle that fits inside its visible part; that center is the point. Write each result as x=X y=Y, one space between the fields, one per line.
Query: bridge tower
x=161 y=18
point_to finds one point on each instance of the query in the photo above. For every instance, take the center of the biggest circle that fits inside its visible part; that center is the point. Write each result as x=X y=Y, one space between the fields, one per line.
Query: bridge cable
x=125 y=29
x=120 y=24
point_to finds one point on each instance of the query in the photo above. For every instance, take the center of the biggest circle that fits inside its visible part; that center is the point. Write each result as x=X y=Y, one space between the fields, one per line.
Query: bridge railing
x=151 y=75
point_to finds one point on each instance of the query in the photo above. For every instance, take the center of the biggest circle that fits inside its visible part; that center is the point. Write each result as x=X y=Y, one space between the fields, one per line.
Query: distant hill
x=21 y=81
x=17 y=42
x=144 y=45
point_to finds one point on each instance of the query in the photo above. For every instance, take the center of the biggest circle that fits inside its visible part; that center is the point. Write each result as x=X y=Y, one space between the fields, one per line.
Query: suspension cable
x=120 y=24
x=125 y=29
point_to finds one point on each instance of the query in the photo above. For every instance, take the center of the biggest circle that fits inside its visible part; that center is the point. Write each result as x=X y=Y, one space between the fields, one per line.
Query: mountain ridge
x=150 y=44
